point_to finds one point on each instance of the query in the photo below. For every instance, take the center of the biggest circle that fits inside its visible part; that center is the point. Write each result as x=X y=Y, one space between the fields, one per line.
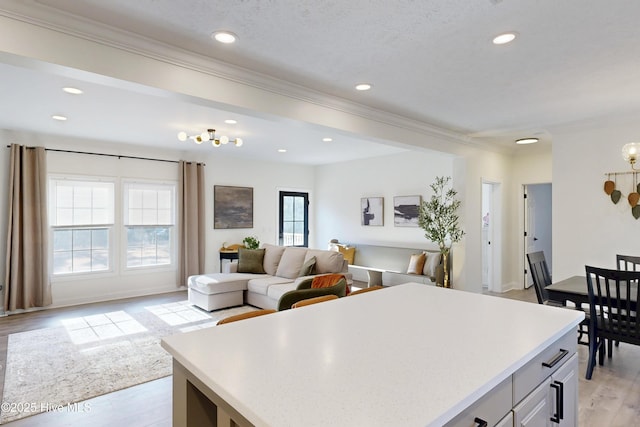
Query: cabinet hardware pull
x=558 y=357
x=480 y=422
x=559 y=414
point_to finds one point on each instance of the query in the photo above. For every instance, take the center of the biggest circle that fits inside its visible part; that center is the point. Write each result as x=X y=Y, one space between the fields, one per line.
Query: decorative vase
x=445 y=265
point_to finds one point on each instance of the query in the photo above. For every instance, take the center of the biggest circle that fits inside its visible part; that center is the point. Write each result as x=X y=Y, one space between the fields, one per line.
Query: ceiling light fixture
x=225 y=37
x=230 y=122
x=523 y=141
x=72 y=90
x=59 y=118
x=363 y=86
x=630 y=153
x=327 y=139
x=504 y=38
x=282 y=150
x=210 y=136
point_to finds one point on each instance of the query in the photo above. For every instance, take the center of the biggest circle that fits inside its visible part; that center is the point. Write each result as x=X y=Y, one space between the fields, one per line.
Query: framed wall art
x=372 y=211
x=405 y=210
x=232 y=207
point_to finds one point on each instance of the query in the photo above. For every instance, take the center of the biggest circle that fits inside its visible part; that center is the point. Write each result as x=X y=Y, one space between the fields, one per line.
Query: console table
x=416 y=354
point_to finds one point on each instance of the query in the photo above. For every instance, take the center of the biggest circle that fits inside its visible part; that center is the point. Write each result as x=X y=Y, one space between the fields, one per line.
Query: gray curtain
x=191 y=220
x=27 y=267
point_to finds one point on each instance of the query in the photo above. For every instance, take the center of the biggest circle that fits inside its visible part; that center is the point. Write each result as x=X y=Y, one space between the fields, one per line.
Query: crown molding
x=35 y=13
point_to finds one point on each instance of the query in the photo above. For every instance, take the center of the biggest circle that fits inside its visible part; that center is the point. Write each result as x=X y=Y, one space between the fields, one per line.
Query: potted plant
x=251 y=242
x=439 y=219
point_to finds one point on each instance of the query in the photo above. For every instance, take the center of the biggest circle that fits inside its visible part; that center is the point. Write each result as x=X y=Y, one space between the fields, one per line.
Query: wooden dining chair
x=542 y=279
x=243 y=316
x=314 y=300
x=613 y=306
x=628 y=262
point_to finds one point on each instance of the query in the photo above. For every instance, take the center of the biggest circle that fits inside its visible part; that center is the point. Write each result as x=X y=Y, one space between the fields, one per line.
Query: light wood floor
x=611 y=398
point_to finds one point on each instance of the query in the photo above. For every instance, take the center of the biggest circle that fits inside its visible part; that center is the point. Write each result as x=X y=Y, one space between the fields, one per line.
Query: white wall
x=340 y=186
x=267 y=179
x=587 y=227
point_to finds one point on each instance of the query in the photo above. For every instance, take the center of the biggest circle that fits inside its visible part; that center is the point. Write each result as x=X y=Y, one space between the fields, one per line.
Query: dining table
x=575 y=289
x=572 y=289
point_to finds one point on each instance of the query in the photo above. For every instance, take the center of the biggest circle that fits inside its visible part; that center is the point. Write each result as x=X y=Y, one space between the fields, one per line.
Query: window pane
x=62 y=263
x=62 y=240
x=82 y=197
x=64 y=196
x=81 y=261
x=64 y=216
x=150 y=199
x=81 y=240
x=164 y=216
x=165 y=201
x=287 y=208
x=149 y=217
x=135 y=199
x=101 y=198
x=134 y=257
x=81 y=216
x=100 y=239
x=99 y=260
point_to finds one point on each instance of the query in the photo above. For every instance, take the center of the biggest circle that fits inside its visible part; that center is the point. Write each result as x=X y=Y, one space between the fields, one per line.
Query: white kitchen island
x=409 y=355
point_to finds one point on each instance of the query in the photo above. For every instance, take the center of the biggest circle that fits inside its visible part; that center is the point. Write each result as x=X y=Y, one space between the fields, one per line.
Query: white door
x=537 y=225
x=490 y=235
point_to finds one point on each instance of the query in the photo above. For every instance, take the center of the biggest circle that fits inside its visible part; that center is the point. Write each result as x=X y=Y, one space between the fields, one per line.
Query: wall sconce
x=210 y=136
x=630 y=153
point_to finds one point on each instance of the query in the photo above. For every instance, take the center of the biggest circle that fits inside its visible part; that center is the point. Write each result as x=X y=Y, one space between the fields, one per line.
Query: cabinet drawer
x=540 y=367
x=491 y=408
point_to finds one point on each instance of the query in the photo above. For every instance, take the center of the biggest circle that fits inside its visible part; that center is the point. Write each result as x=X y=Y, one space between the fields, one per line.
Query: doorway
x=490 y=218
x=537 y=225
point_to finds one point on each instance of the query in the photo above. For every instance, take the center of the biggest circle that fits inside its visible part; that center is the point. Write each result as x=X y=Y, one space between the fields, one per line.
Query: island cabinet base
x=196 y=405
x=544 y=392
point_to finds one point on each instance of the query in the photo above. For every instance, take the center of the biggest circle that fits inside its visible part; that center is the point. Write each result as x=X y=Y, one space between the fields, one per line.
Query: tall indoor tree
x=439 y=219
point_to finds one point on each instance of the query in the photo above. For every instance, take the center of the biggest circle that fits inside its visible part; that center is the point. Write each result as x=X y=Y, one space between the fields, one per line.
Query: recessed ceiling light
x=224 y=36
x=327 y=139
x=363 y=86
x=230 y=122
x=523 y=141
x=504 y=38
x=72 y=90
x=59 y=117
x=282 y=150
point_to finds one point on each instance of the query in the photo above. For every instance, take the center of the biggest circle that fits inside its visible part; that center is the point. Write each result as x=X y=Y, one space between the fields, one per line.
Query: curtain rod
x=109 y=155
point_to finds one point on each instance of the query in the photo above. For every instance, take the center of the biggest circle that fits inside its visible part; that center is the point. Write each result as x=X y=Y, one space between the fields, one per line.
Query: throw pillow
x=326 y=280
x=308 y=268
x=416 y=263
x=431 y=264
x=250 y=261
x=272 y=255
x=291 y=262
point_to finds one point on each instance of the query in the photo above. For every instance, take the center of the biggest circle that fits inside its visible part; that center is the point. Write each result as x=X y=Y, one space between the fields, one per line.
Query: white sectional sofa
x=282 y=269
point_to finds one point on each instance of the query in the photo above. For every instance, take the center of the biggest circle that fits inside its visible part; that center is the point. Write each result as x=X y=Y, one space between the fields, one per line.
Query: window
x=81 y=217
x=294 y=219
x=149 y=219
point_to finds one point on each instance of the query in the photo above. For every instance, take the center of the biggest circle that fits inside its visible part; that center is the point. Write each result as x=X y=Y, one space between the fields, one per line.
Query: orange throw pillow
x=327 y=280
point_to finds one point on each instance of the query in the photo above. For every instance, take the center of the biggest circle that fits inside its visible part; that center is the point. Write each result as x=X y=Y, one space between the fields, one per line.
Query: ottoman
x=218 y=290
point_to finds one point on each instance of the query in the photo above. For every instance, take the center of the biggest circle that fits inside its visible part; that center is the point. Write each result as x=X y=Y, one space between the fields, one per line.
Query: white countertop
x=410 y=355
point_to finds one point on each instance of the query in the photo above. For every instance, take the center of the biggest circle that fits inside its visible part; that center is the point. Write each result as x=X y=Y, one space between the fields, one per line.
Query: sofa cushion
x=291 y=262
x=272 y=256
x=416 y=263
x=219 y=282
x=431 y=264
x=308 y=268
x=276 y=291
x=250 y=261
x=326 y=261
x=261 y=284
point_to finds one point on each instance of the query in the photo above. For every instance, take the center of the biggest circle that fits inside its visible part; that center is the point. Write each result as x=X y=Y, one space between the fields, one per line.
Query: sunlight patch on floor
x=87 y=329
x=177 y=313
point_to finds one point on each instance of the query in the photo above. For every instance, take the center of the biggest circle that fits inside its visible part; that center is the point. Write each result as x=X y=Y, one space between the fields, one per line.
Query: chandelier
x=210 y=136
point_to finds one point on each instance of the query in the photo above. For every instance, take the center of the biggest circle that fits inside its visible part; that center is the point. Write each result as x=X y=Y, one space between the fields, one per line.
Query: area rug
x=52 y=368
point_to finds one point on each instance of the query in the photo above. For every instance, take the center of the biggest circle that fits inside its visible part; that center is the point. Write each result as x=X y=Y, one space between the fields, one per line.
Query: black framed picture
x=405 y=210
x=372 y=211
x=232 y=207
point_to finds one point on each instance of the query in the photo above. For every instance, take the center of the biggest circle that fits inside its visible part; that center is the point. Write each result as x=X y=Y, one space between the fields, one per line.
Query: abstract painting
x=405 y=210
x=371 y=209
x=232 y=207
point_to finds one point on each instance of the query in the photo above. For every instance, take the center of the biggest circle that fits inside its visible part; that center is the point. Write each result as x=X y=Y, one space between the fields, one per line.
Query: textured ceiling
x=429 y=60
